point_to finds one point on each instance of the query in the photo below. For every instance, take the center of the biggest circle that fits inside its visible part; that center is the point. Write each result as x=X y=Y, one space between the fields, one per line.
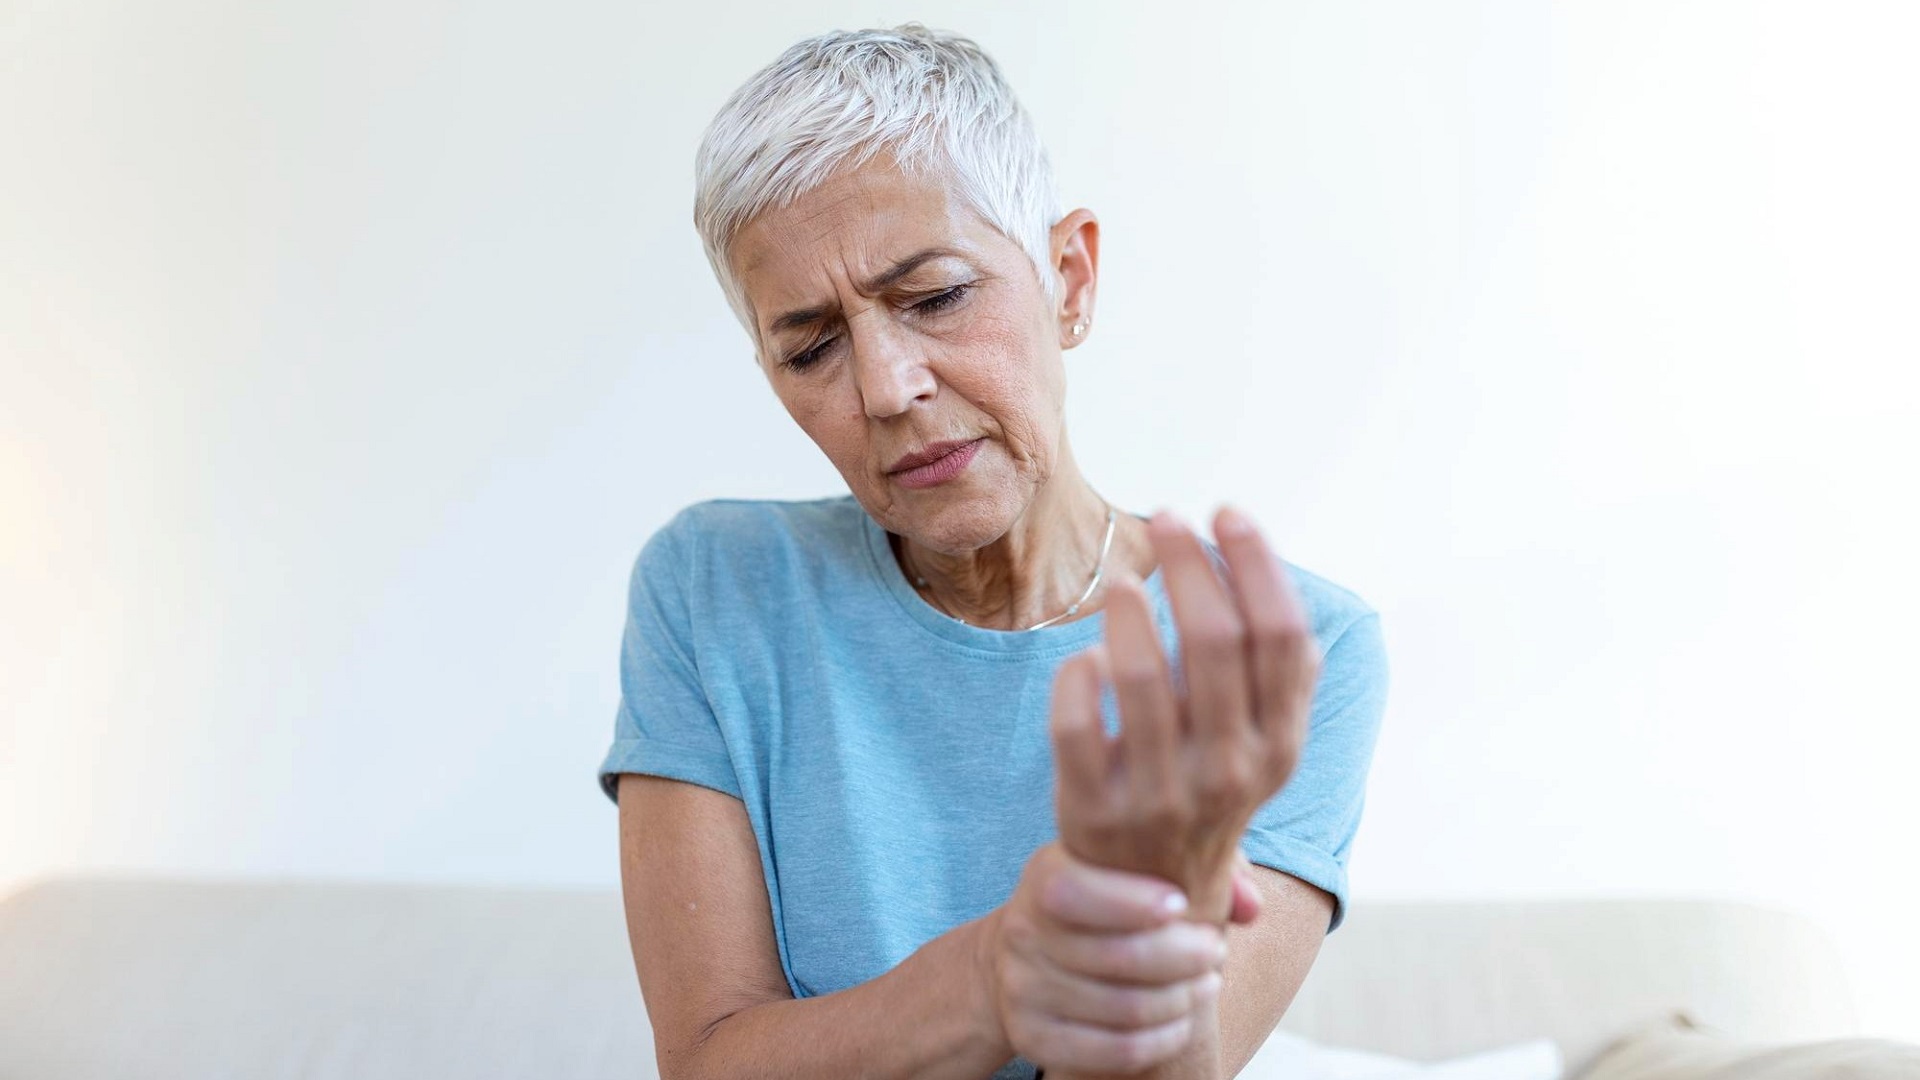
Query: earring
x=1079 y=328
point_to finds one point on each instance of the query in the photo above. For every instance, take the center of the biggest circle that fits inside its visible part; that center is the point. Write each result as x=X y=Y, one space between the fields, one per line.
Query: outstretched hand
x=1173 y=793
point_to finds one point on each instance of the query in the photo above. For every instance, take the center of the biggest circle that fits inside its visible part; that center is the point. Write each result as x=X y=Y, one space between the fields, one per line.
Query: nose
x=890 y=369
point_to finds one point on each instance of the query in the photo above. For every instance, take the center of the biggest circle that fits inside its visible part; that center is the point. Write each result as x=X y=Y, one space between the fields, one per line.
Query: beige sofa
x=161 y=978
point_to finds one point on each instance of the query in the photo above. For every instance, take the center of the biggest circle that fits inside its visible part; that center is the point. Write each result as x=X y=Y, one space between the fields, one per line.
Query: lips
x=928 y=454
x=942 y=468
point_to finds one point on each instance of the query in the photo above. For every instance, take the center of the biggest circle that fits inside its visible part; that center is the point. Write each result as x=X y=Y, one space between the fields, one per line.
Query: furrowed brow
x=902 y=268
x=798 y=318
x=793 y=320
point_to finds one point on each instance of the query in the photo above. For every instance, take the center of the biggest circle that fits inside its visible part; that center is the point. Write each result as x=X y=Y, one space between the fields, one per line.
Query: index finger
x=1090 y=897
x=1286 y=657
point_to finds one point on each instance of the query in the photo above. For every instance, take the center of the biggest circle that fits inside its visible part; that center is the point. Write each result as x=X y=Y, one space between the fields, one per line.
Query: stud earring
x=1079 y=328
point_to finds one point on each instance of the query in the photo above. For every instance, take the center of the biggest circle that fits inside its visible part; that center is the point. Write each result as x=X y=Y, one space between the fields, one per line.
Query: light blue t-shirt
x=895 y=762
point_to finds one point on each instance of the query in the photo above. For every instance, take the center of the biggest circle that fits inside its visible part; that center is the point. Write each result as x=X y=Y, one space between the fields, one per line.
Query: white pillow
x=1289 y=1057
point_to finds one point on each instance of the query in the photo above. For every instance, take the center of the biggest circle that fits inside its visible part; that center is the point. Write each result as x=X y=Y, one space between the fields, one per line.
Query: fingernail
x=1233 y=523
x=1173 y=903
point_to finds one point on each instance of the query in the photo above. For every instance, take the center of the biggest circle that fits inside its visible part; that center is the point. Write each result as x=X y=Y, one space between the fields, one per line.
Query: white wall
x=351 y=351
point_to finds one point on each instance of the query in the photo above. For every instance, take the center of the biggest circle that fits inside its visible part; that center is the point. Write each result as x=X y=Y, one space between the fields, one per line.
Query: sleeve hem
x=1303 y=860
x=651 y=757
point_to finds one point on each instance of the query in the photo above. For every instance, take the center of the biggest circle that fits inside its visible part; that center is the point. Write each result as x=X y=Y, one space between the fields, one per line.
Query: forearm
x=905 y=1023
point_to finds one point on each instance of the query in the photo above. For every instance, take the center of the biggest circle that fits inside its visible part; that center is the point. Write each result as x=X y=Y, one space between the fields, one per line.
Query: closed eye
x=806 y=359
x=931 y=305
x=943 y=300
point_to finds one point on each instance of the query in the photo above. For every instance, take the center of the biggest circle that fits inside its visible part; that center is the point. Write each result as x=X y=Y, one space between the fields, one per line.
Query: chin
x=953 y=518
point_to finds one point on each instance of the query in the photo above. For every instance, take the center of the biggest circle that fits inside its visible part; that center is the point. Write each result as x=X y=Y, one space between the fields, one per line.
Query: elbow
x=693 y=1058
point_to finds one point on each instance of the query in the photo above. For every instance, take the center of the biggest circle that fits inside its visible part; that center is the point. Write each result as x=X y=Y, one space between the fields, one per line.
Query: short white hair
x=933 y=100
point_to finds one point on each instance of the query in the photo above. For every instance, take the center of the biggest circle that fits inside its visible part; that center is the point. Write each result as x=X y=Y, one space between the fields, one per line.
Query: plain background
x=351 y=351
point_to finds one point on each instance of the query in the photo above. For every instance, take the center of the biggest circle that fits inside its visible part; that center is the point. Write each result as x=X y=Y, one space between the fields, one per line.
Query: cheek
x=833 y=419
x=1008 y=377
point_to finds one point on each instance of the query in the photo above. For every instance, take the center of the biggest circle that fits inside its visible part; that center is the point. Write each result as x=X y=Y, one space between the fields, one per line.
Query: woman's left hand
x=1173 y=793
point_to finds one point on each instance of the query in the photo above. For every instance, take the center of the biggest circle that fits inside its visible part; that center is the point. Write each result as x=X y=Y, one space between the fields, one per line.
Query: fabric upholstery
x=1679 y=1047
x=205 y=978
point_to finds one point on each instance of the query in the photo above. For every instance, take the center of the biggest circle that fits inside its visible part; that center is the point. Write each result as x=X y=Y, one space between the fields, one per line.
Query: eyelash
x=931 y=305
x=806 y=359
x=943 y=300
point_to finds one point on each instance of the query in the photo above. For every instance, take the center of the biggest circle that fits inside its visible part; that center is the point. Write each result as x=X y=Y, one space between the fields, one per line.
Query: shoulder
x=745 y=528
x=1332 y=608
x=734 y=521
x=739 y=541
x=1339 y=618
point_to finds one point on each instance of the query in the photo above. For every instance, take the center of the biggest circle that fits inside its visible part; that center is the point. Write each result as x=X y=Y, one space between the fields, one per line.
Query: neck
x=1039 y=567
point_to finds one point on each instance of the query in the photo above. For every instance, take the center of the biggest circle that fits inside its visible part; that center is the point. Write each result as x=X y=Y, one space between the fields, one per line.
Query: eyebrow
x=807 y=316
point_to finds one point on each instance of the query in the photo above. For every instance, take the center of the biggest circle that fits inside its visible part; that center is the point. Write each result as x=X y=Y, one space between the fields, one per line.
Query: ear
x=1075 y=249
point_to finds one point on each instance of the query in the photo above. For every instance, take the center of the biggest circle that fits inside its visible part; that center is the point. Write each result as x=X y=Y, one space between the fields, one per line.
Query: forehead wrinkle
x=880 y=212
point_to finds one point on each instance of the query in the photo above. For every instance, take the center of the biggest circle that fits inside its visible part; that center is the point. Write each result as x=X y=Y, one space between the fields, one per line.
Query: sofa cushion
x=1679 y=1047
x=1285 y=1056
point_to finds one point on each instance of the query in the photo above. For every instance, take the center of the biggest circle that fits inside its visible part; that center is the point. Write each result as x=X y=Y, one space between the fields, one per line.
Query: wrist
x=1211 y=898
x=984 y=984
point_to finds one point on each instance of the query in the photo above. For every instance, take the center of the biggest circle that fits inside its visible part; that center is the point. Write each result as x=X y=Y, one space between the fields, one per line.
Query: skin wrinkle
x=1012 y=540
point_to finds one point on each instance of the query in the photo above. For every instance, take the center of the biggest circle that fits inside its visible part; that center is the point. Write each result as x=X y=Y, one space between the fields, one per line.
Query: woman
x=952 y=775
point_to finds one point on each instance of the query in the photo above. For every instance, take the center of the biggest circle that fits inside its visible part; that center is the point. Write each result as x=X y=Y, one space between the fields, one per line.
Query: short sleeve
x=1307 y=828
x=664 y=725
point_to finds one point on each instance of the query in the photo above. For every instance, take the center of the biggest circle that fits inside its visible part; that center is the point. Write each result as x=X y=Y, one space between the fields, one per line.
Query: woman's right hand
x=1093 y=969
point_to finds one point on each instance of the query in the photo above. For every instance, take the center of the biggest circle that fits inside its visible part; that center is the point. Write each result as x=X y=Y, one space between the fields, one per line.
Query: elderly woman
x=967 y=772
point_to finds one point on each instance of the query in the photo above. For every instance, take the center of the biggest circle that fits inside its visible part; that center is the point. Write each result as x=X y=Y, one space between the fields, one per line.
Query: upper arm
x=698 y=917
x=1306 y=829
x=1267 y=961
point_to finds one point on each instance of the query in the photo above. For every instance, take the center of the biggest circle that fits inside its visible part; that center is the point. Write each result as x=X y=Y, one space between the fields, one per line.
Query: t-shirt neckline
x=1049 y=640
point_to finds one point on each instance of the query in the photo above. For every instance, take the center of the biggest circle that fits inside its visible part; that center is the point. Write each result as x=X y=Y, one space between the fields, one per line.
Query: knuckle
x=1134 y=675
x=1219 y=637
x=1135 y=1008
x=1200 y=950
x=1215 y=793
x=1165 y=807
x=1059 y=895
x=1270 y=633
x=1047 y=861
x=1231 y=774
x=1136 y=1051
x=1125 y=953
x=1022 y=986
x=1285 y=756
x=1022 y=935
x=1285 y=637
x=1310 y=665
x=1288 y=739
x=1028 y=1039
x=1107 y=829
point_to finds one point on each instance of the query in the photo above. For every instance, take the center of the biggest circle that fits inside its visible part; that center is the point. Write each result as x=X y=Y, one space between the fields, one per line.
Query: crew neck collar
x=1068 y=637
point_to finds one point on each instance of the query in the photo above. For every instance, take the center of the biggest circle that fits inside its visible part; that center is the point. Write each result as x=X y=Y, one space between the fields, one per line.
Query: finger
x=1087 y=897
x=1143 y=689
x=1213 y=636
x=1171 y=953
x=1066 y=995
x=1065 y=1045
x=1285 y=657
x=1082 y=753
x=1246 y=897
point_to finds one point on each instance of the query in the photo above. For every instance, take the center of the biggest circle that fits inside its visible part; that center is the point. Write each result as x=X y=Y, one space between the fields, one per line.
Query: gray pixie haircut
x=933 y=100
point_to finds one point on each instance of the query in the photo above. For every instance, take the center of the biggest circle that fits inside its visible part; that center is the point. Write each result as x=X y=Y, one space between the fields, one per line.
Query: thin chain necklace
x=1099 y=567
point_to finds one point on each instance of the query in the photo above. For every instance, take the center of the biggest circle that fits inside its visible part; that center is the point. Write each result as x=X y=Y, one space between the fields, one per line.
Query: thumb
x=1246 y=893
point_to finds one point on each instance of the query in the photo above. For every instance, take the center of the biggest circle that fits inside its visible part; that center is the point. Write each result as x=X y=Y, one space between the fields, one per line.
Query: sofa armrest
x=1679 y=1047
